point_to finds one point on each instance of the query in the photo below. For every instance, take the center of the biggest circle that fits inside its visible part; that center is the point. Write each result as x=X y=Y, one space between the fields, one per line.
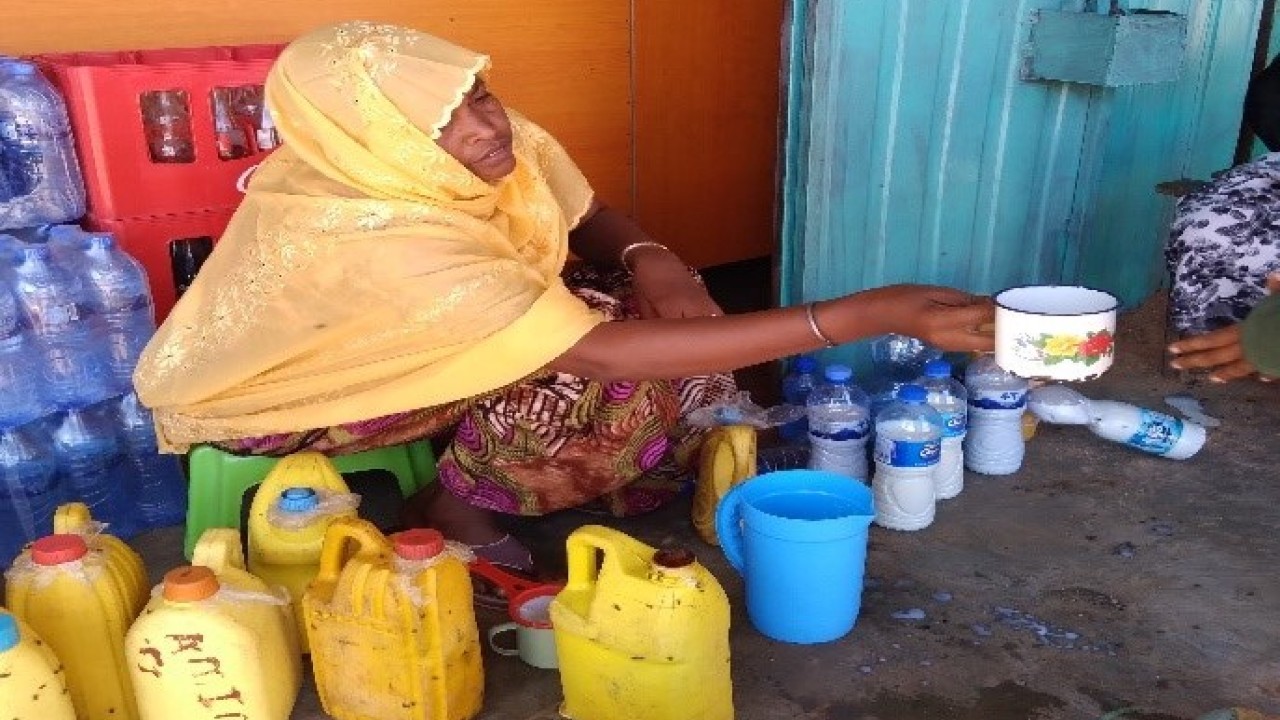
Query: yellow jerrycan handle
x=71 y=519
x=342 y=533
x=622 y=553
x=219 y=549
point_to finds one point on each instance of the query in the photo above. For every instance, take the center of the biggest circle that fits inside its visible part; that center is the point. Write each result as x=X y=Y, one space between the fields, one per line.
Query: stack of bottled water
x=40 y=180
x=75 y=312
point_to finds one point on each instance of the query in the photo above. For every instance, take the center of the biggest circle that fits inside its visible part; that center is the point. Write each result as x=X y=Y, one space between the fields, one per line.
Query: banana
x=727 y=458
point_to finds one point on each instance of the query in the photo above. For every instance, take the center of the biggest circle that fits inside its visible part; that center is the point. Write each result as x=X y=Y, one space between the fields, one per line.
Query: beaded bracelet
x=813 y=325
x=622 y=256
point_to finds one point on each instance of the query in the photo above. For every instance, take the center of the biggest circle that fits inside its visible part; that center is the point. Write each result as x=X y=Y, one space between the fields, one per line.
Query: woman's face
x=479 y=135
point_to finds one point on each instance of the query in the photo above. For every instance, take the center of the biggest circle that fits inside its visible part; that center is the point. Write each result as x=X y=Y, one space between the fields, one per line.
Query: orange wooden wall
x=669 y=106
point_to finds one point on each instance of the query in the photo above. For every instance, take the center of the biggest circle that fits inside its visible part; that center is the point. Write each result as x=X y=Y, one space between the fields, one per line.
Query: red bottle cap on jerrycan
x=58 y=549
x=190 y=583
x=419 y=544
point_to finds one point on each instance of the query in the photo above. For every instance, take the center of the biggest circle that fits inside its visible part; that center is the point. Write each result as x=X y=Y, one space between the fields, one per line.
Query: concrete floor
x=1096 y=578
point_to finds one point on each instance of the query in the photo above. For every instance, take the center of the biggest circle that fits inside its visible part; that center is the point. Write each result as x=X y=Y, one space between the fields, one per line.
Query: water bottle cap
x=9 y=635
x=912 y=394
x=58 y=549
x=298 y=500
x=805 y=364
x=418 y=544
x=190 y=583
x=937 y=369
x=838 y=373
x=676 y=557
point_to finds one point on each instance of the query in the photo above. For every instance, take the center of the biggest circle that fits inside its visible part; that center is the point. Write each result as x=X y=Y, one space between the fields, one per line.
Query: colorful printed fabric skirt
x=551 y=441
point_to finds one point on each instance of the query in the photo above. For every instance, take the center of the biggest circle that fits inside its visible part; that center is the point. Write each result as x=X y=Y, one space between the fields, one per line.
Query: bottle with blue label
x=158 y=481
x=93 y=469
x=799 y=381
x=839 y=424
x=908 y=447
x=1146 y=430
x=121 y=297
x=994 y=444
x=42 y=180
x=950 y=399
x=30 y=491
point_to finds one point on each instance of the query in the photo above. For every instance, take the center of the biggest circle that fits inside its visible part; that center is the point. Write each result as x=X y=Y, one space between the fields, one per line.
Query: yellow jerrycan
x=32 y=683
x=728 y=457
x=295 y=503
x=215 y=642
x=393 y=628
x=79 y=589
x=642 y=634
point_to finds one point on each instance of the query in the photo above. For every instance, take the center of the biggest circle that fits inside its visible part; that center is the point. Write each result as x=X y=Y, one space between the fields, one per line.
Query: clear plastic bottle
x=1146 y=430
x=895 y=361
x=839 y=424
x=29 y=488
x=93 y=468
x=70 y=338
x=43 y=180
x=158 y=480
x=994 y=444
x=950 y=399
x=21 y=400
x=166 y=120
x=121 y=297
x=799 y=381
x=908 y=446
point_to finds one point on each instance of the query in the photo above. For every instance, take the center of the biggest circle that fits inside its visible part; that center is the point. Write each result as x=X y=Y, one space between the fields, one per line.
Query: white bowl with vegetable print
x=1055 y=332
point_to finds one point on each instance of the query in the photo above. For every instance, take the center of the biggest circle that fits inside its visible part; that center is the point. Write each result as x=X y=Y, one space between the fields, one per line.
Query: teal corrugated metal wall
x=914 y=151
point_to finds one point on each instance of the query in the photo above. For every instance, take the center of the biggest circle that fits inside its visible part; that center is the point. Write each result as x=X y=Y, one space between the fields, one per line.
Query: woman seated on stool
x=399 y=270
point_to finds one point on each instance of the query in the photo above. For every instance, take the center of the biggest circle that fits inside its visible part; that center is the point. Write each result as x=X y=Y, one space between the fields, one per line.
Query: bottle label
x=1157 y=433
x=997 y=399
x=953 y=424
x=842 y=431
x=908 y=453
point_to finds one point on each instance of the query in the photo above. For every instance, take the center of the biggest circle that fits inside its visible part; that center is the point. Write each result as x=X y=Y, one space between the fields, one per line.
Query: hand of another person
x=665 y=288
x=1219 y=351
x=944 y=317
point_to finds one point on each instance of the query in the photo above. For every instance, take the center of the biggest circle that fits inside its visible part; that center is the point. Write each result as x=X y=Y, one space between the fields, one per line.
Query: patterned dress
x=1224 y=241
x=551 y=441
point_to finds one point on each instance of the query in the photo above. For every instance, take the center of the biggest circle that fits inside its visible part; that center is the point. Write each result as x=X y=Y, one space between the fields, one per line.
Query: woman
x=398 y=270
x=1239 y=350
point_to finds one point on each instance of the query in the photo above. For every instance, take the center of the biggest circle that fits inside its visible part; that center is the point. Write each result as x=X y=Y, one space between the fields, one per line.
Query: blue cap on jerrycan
x=9 y=635
x=299 y=500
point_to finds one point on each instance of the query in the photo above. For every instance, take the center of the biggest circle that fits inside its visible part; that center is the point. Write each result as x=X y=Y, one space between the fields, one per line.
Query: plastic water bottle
x=43 y=183
x=839 y=424
x=950 y=399
x=994 y=444
x=93 y=467
x=908 y=446
x=29 y=489
x=1146 y=430
x=21 y=399
x=120 y=296
x=796 y=386
x=158 y=480
x=56 y=305
x=895 y=361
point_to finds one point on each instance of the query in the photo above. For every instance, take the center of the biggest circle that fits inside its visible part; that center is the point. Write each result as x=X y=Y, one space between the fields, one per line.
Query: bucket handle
x=729 y=526
x=342 y=533
x=219 y=549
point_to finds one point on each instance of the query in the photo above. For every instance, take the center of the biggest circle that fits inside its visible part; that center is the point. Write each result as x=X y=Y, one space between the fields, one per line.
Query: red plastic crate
x=103 y=92
x=148 y=238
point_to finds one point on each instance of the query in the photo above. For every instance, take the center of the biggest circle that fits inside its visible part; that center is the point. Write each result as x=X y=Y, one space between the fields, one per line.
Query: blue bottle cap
x=838 y=373
x=299 y=500
x=9 y=635
x=912 y=394
x=937 y=369
x=804 y=364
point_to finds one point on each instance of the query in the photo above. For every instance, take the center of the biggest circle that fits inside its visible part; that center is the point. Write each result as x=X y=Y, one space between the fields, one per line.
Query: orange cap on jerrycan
x=216 y=642
x=32 y=682
x=79 y=590
x=293 y=507
x=392 y=626
x=641 y=634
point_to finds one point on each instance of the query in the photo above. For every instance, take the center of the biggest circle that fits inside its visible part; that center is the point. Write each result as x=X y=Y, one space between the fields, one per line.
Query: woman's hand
x=664 y=287
x=946 y=318
x=1220 y=351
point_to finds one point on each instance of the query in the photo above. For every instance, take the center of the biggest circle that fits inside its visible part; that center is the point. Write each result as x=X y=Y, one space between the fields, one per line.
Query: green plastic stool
x=219 y=480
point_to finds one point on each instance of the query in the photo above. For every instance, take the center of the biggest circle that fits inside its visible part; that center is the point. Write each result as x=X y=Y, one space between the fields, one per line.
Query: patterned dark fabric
x=552 y=441
x=1224 y=241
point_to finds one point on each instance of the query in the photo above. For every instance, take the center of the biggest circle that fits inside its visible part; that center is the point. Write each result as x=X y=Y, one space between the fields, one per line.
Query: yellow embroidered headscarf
x=367 y=271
